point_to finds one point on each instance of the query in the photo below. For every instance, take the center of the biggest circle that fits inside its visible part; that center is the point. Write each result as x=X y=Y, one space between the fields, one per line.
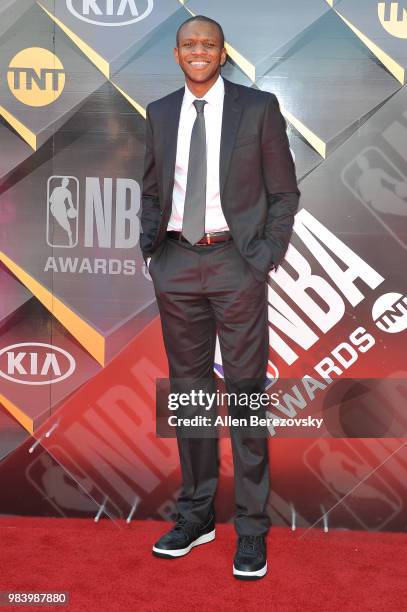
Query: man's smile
x=199 y=63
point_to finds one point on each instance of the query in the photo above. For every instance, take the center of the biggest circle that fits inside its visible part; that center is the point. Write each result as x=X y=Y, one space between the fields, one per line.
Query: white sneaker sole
x=250 y=575
x=180 y=552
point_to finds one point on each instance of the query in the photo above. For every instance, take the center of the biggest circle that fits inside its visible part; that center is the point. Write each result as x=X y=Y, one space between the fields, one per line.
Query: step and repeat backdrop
x=80 y=337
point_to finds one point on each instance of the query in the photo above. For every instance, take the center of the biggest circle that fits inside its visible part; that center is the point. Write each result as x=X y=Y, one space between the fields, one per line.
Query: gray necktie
x=193 y=225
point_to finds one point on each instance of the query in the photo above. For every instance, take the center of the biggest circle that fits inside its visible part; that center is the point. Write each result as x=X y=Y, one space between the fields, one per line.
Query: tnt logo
x=36 y=77
x=390 y=313
x=393 y=18
x=110 y=12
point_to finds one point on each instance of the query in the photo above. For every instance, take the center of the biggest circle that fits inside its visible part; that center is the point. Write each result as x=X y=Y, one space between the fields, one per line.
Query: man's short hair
x=208 y=20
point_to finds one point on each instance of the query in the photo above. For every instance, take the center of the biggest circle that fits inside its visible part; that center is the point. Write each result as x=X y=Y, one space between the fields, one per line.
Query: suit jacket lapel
x=170 y=137
x=230 y=123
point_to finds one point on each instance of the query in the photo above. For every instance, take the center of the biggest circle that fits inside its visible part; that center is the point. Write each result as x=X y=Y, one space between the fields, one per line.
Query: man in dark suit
x=218 y=203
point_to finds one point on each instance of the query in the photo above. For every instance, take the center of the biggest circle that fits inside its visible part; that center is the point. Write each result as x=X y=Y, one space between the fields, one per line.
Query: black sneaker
x=250 y=561
x=184 y=536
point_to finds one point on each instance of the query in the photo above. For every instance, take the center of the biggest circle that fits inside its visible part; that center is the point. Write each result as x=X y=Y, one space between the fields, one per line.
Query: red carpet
x=110 y=568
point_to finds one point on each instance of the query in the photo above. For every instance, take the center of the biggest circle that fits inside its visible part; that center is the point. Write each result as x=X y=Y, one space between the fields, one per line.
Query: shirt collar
x=213 y=97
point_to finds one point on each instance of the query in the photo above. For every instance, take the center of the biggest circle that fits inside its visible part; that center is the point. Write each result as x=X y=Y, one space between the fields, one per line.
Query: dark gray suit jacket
x=258 y=186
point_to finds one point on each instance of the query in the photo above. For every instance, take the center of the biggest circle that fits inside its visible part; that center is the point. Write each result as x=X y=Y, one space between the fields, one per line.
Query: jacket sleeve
x=280 y=180
x=150 y=205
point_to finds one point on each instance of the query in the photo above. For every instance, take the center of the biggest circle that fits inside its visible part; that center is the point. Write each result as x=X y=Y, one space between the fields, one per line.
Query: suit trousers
x=201 y=291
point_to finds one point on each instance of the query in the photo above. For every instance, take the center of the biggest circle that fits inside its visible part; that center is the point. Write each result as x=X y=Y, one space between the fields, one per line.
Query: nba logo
x=62 y=211
x=381 y=187
x=272 y=374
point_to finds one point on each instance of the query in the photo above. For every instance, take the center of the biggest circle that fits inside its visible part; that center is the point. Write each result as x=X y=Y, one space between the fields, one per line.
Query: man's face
x=200 y=53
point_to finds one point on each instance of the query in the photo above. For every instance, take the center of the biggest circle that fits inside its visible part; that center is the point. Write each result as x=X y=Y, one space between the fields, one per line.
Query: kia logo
x=110 y=12
x=35 y=363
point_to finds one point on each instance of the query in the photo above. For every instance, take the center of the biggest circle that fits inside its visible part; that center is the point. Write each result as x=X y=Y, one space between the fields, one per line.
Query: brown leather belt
x=208 y=238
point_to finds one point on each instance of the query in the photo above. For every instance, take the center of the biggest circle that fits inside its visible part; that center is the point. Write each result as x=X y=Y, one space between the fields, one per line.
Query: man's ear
x=224 y=57
x=175 y=51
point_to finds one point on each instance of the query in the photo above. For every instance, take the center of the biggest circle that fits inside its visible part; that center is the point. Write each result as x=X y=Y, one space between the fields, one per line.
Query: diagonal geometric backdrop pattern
x=80 y=338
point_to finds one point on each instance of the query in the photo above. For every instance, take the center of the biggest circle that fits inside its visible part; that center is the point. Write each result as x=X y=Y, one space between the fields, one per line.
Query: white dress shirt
x=214 y=218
